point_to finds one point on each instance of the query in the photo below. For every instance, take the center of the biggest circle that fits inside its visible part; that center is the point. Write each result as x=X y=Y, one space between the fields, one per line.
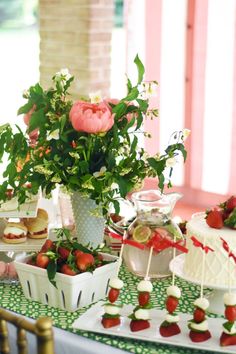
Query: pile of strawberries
x=223 y=215
x=66 y=256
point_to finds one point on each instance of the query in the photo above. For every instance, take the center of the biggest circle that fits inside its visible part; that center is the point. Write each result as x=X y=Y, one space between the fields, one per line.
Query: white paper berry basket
x=72 y=292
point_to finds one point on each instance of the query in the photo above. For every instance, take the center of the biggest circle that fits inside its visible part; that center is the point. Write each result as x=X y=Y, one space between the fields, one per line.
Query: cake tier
x=218 y=270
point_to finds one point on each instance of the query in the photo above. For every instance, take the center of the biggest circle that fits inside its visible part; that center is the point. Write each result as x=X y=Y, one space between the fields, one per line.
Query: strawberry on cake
x=212 y=227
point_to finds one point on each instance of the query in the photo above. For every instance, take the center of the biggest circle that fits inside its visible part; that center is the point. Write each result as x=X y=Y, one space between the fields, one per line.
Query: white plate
x=91 y=321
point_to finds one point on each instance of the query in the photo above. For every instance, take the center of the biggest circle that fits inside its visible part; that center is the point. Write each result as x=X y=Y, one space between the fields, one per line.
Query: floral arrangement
x=90 y=146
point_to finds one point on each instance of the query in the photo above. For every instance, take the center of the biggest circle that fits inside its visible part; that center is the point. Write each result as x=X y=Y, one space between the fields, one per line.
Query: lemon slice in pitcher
x=142 y=233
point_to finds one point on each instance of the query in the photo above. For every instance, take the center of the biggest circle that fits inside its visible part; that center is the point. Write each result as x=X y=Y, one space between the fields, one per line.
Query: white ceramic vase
x=89 y=228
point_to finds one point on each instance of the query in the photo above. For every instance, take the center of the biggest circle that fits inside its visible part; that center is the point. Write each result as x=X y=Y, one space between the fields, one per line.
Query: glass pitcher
x=154 y=217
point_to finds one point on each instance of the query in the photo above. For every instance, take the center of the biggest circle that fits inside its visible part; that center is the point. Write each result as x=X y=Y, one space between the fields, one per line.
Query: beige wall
x=76 y=34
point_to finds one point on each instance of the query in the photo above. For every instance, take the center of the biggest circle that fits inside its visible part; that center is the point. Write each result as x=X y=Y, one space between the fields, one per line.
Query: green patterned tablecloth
x=12 y=298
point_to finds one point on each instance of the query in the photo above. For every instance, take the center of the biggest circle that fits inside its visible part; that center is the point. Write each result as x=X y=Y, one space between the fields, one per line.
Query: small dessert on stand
x=169 y=327
x=141 y=313
x=228 y=336
x=198 y=326
x=111 y=317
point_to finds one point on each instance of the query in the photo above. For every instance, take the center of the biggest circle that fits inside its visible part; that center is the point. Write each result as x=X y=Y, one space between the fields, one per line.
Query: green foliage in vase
x=90 y=147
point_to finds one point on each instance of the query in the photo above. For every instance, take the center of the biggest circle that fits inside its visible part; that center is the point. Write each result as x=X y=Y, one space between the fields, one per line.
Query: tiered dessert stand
x=9 y=251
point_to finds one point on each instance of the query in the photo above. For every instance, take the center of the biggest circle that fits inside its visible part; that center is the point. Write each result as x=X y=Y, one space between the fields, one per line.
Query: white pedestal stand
x=215 y=298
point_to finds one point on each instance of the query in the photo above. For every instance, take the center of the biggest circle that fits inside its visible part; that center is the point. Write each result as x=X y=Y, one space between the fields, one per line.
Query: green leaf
x=157 y=165
x=143 y=104
x=26 y=108
x=37 y=119
x=228 y=325
x=171 y=149
x=132 y=95
x=122 y=186
x=78 y=246
x=161 y=181
x=116 y=205
x=129 y=85
x=231 y=220
x=106 y=315
x=4 y=127
x=140 y=68
x=120 y=109
x=51 y=271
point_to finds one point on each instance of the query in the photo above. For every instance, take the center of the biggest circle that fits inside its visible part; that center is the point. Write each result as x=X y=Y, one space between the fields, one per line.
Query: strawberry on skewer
x=111 y=317
x=170 y=327
x=228 y=336
x=198 y=325
x=141 y=313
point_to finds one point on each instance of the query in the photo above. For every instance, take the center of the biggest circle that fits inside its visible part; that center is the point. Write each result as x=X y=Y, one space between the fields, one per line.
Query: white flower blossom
x=95 y=97
x=54 y=135
x=100 y=173
x=171 y=161
x=63 y=74
x=186 y=132
x=149 y=89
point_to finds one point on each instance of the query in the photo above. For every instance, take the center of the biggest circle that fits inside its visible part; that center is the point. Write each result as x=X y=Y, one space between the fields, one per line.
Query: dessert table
x=69 y=340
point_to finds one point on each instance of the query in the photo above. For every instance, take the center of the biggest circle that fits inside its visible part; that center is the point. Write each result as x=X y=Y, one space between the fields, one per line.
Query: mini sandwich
x=15 y=232
x=38 y=227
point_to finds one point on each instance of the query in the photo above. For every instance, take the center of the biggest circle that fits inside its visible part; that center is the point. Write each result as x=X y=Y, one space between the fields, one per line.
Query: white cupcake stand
x=215 y=297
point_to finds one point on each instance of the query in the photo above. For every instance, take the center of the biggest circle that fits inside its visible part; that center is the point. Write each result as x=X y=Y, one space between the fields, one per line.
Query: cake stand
x=215 y=298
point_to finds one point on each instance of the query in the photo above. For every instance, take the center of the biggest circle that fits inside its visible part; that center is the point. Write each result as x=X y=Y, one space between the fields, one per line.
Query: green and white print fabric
x=12 y=298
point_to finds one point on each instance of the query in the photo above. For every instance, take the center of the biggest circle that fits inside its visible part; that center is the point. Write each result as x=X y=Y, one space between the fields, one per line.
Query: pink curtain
x=197 y=47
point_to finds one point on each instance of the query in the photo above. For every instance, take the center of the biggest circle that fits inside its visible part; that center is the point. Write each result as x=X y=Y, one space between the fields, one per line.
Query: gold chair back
x=42 y=328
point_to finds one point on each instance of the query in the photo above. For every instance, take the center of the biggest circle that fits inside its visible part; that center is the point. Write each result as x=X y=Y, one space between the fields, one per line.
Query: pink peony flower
x=91 y=117
x=34 y=134
x=115 y=101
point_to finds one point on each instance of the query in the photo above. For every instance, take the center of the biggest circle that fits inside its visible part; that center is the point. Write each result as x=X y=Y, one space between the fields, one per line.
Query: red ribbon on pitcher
x=126 y=241
x=160 y=243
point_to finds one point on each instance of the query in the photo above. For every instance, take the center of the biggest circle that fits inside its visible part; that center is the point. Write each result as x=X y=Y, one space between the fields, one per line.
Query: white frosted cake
x=216 y=263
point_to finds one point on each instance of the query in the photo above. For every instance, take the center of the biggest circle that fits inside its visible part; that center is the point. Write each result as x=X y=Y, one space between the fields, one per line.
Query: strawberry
x=84 y=261
x=63 y=252
x=143 y=298
x=227 y=339
x=231 y=203
x=100 y=257
x=76 y=253
x=171 y=303
x=230 y=313
x=199 y=315
x=110 y=322
x=199 y=336
x=169 y=331
x=139 y=325
x=42 y=260
x=113 y=294
x=31 y=262
x=48 y=245
x=66 y=269
x=215 y=219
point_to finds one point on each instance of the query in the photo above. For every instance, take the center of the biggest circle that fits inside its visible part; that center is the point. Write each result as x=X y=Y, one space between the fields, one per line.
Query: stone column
x=76 y=34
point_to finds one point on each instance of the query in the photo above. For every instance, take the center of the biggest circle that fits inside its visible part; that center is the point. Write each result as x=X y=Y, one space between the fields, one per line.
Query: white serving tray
x=30 y=245
x=91 y=321
x=72 y=292
x=26 y=210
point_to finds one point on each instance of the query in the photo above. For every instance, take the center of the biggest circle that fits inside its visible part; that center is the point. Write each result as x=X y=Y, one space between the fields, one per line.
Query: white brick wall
x=77 y=34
